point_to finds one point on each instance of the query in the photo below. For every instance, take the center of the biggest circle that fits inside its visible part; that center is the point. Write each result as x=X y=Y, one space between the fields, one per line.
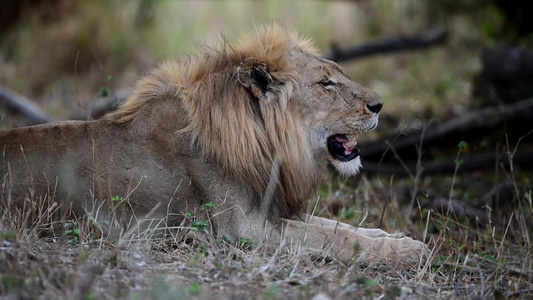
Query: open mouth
x=342 y=148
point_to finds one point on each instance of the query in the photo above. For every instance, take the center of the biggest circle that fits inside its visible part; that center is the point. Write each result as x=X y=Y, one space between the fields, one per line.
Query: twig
x=404 y=165
x=511 y=166
x=418 y=174
x=445 y=288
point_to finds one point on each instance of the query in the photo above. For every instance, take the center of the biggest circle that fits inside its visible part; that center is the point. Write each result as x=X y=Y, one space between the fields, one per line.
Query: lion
x=249 y=127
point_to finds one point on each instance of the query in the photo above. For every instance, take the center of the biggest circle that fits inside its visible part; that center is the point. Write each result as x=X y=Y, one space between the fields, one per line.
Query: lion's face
x=335 y=109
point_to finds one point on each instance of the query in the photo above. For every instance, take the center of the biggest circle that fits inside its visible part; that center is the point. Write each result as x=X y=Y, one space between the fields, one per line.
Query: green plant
x=114 y=201
x=201 y=225
x=246 y=243
x=208 y=206
x=104 y=92
x=162 y=290
x=190 y=216
x=10 y=283
x=271 y=292
x=194 y=289
x=393 y=292
x=347 y=213
x=9 y=235
x=71 y=230
x=223 y=240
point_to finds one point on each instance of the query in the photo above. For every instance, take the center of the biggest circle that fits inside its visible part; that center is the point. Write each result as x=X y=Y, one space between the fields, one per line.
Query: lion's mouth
x=342 y=148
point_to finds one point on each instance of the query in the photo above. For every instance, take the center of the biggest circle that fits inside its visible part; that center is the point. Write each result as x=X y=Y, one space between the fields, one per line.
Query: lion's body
x=212 y=128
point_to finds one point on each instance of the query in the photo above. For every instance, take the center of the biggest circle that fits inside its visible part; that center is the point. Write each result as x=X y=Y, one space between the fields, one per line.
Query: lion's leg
x=347 y=245
x=368 y=232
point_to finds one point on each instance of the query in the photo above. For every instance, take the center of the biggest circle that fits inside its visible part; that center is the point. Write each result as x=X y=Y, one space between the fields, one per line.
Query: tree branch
x=472 y=162
x=483 y=118
x=20 y=104
x=392 y=44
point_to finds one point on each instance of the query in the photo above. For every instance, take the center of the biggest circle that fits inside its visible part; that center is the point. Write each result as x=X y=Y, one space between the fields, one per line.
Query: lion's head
x=268 y=97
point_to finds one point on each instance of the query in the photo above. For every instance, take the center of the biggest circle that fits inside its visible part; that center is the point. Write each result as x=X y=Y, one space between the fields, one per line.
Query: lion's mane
x=243 y=134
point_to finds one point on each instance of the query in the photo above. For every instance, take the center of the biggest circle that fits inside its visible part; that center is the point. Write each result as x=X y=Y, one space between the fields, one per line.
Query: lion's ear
x=254 y=76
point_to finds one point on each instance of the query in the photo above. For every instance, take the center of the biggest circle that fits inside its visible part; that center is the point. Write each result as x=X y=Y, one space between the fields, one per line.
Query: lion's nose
x=375 y=108
x=372 y=101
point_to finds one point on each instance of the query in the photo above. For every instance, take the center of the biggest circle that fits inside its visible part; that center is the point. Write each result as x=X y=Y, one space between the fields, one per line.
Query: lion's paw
x=402 y=250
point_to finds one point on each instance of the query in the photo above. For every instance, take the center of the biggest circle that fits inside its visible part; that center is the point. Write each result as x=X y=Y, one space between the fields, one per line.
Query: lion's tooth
x=351 y=143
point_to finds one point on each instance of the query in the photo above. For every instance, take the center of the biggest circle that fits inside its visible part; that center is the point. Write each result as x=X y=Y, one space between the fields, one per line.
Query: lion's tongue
x=341 y=138
x=348 y=144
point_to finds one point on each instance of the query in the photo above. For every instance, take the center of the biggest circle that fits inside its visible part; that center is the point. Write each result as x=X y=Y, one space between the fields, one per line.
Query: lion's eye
x=328 y=83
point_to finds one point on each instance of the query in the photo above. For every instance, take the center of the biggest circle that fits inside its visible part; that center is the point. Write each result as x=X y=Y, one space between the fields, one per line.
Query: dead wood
x=468 y=163
x=456 y=128
x=21 y=105
x=506 y=75
x=459 y=209
x=35 y=115
x=387 y=45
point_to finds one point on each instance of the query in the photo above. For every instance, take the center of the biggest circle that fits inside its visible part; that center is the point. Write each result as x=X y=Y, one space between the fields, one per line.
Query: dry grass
x=71 y=258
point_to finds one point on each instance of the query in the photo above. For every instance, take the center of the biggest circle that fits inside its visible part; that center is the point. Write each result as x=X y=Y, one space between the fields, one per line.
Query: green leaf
x=245 y=243
x=189 y=215
x=201 y=225
x=224 y=240
x=370 y=283
x=93 y=221
x=208 y=206
x=194 y=289
x=104 y=93
x=460 y=162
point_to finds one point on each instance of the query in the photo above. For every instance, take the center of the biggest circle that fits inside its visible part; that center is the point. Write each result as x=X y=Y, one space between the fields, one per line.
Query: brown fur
x=211 y=128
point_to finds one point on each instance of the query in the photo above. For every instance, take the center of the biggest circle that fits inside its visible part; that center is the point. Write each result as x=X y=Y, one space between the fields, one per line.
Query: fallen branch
x=469 y=163
x=459 y=208
x=20 y=104
x=483 y=118
x=501 y=269
x=387 y=45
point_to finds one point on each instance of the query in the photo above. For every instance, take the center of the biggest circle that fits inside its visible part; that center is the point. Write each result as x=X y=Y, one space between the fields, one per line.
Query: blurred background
x=64 y=55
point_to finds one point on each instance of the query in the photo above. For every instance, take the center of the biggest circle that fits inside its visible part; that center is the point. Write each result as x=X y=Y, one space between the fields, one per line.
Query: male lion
x=249 y=127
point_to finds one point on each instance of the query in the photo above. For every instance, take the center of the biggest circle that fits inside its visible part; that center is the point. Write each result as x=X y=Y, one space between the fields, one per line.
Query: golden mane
x=224 y=120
